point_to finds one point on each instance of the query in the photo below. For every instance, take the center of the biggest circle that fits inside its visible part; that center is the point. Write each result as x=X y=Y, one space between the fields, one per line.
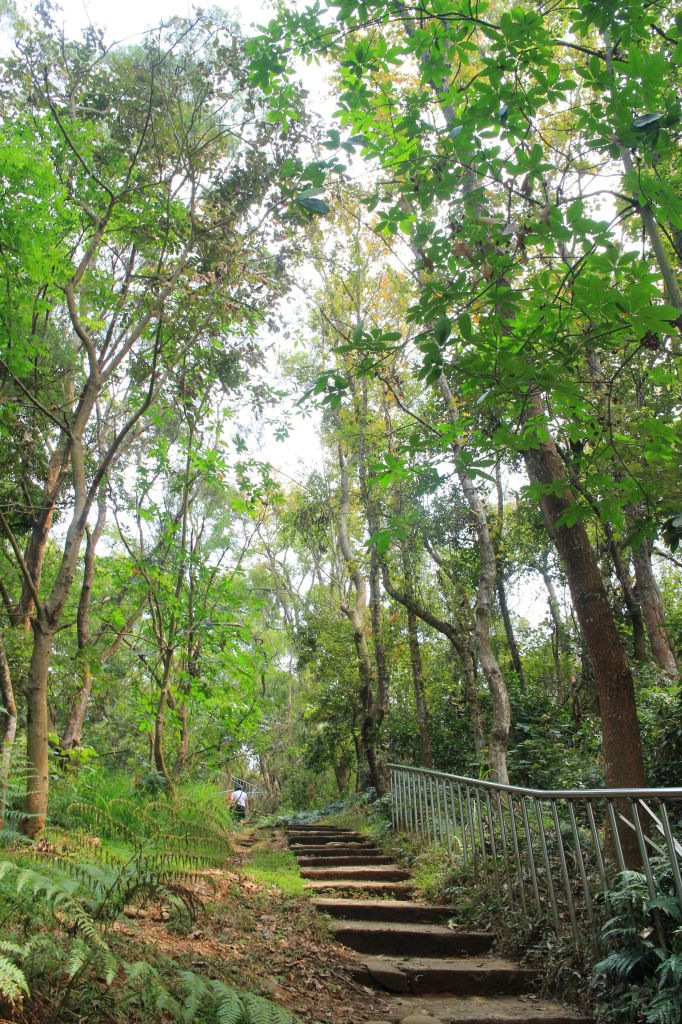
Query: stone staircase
x=430 y=972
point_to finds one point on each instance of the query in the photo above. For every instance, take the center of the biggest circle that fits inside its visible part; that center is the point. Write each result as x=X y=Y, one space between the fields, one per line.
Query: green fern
x=13 y=983
x=665 y=1008
x=641 y=977
x=228 y=1005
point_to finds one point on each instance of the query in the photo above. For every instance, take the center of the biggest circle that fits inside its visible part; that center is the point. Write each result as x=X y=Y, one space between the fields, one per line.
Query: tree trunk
x=652 y=609
x=342 y=773
x=470 y=689
x=632 y=605
x=158 y=738
x=361 y=767
x=424 y=724
x=558 y=645
x=183 y=749
x=377 y=709
x=621 y=740
x=356 y=614
x=74 y=725
x=416 y=667
x=37 y=730
x=501 y=587
x=8 y=727
x=514 y=652
x=501 y=717
x=461 y=649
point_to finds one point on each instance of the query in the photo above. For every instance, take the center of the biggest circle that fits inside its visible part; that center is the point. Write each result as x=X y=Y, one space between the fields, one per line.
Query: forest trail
x=432 y=972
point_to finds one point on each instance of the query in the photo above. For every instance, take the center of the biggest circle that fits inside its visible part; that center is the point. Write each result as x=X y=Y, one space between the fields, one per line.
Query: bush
x=641 y=978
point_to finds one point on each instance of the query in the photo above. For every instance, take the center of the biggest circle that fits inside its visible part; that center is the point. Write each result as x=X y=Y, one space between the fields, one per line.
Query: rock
x=419 y=1018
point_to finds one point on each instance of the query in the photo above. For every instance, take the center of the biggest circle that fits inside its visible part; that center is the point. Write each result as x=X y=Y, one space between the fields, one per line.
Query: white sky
x=123 y=18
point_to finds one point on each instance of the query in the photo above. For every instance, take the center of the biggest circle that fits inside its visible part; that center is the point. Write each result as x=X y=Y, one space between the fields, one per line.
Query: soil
x=258 y=938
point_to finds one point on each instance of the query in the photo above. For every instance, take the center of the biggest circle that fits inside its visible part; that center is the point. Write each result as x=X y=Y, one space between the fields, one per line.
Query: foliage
x=64 y=903
x=641 y=978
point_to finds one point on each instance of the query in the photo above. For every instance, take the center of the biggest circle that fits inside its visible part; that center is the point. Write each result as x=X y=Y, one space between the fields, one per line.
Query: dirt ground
x=256 y=937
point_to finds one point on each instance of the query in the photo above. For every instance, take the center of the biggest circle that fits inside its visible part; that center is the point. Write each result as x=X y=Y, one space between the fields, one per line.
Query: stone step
x=368 y=873
x=423 y=975
x=392 y=939
x=332 y=849
x=396 y=890
x=315 y=839
x=316 y=828
x=525 y=1009
x=344 y=860
x=404 y=911
x=320 y=832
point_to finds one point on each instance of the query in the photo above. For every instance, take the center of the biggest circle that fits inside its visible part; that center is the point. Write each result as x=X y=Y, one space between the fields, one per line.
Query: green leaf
x=442 y=329
x=645 y=120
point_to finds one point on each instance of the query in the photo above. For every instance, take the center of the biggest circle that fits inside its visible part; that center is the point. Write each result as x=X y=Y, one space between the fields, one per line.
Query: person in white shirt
x=240 y=802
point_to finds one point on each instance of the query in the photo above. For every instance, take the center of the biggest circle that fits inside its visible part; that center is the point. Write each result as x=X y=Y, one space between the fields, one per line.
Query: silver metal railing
x=554 y=855
x=252 y=791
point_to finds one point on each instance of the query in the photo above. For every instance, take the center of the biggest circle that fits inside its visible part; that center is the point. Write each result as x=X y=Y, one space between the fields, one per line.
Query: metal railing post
x=491 y=824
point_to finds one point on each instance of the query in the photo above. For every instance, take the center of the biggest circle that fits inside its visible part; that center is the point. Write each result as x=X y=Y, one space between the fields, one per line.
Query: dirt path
x=256 y=937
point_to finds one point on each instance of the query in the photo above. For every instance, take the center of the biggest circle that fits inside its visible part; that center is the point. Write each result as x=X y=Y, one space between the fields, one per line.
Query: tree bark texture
x=416 y=666
x=621 y=740
x=513 y=646
x=76 y=718
x=8 y=727
x=37 y=730
x=651 y=601
x=357 y=616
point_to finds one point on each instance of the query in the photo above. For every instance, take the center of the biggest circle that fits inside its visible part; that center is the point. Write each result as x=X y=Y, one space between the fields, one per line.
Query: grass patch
x=275 y=868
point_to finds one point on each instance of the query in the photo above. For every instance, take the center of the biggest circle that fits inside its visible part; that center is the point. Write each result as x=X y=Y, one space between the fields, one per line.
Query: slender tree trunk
x=652 y=609
x=416 y=667
x=342 y=774
x=460 y=647
x=501 y=715
x=159 y=734
x=183 y=749
x=376 y=710
x=356 y=614
x=470 y=689
x=632 y=605
x=558 y=644
x=74 y=725
x=501 y=587
x=37 y=729
x=513 y=646
x=8 y=727
x=423 y=721
x=621 y=740
x=360 y=763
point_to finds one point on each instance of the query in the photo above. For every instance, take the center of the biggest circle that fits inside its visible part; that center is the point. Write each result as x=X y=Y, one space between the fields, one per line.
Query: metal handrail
x=672 y=793
x=555 y=854
x=252 y=791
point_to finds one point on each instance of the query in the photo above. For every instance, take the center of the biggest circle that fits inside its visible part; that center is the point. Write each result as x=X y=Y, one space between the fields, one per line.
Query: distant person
x=240 y=803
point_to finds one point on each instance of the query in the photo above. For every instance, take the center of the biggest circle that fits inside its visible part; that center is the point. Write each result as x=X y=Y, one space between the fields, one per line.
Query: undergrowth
x=278 y=868
x=109 y=851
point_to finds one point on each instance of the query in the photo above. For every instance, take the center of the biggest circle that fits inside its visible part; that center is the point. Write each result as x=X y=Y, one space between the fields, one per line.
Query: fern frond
x=78 y=958
x=665 y=1008
x=668 y=904
x=195 y=994
x=13 y=984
